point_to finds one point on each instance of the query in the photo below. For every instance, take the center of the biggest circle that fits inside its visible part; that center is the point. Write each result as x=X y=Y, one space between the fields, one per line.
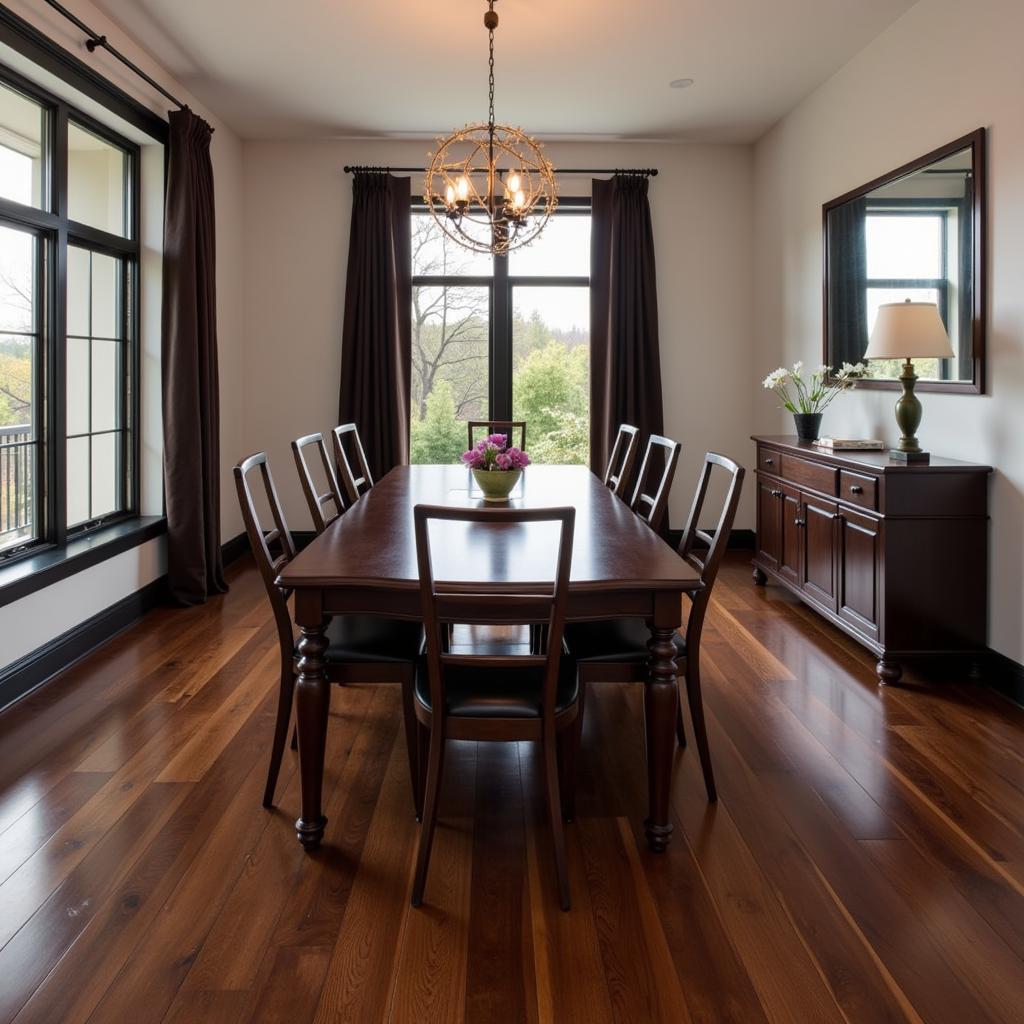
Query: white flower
x=797 y=367
x=775 y=378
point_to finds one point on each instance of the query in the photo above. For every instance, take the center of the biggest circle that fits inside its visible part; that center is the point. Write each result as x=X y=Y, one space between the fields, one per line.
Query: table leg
x=661 y=698
x=312 y=703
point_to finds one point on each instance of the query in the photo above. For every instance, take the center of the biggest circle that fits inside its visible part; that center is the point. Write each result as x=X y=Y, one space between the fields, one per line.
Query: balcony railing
x=17 y=464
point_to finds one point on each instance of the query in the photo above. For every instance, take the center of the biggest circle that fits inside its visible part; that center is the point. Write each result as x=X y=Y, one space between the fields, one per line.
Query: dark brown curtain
x=191 y=401
x=625 y=365
x=848 y=282
x=376 y=340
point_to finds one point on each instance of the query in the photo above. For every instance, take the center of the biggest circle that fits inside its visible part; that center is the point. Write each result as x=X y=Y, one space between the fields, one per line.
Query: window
x=69 y=255
x=506 y=337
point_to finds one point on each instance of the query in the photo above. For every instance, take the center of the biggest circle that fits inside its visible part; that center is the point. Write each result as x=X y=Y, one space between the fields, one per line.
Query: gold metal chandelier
x=489 y=186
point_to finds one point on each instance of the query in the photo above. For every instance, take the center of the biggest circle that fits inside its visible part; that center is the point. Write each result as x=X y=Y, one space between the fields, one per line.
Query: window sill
x=34 y=572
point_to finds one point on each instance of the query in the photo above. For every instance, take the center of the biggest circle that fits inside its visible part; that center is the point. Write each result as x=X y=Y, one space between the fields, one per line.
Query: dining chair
x=616 y=651
x=361 y=648
x=506 y=427
x=489 y=696
x=316 y=500
x=354 y=485
x=650 y=506
x=620 y=462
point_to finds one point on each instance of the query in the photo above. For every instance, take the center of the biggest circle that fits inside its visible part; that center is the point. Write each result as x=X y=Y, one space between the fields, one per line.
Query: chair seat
x=618 y=641
x=371 y=638
x=499 y=693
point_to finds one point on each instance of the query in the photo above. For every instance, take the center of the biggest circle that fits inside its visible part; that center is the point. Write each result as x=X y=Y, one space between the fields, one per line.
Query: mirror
x=916 y=233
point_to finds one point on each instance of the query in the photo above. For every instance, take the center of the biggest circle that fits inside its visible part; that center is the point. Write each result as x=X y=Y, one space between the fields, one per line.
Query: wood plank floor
x=865 y=862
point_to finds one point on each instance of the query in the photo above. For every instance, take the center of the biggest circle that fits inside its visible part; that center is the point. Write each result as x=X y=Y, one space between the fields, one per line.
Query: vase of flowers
x=808 y=399
x=496 y=466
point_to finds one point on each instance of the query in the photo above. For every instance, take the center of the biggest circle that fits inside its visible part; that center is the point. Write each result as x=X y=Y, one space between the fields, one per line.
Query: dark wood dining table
x=365 y=562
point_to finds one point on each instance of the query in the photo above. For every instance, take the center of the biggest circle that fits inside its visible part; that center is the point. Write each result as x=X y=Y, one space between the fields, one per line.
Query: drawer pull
x=799 y=522
x=856 y=489
x=769 y=461
x=776 y=494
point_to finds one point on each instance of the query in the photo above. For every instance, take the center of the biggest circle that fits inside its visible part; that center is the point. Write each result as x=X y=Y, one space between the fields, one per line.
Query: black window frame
x=501 y=285
x=53 y=225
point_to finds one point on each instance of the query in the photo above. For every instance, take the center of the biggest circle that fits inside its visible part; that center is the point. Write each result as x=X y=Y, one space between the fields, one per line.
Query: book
x=850 y=444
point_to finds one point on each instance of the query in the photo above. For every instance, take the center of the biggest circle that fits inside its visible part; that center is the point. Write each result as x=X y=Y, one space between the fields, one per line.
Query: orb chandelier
x=489 y=186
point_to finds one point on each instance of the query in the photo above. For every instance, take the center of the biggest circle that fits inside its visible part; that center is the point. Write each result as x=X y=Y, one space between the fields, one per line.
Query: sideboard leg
x=889 y=672
x=759 y=577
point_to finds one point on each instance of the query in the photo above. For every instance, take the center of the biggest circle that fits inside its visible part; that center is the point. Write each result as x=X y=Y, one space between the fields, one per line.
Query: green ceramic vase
x=497 y=484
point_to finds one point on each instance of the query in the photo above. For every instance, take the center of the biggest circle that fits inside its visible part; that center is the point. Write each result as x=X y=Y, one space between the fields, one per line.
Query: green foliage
x=550 y=383
x=439 y=438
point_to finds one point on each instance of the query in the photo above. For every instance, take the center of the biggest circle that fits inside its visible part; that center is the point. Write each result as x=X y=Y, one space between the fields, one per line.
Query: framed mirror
x=915 y=233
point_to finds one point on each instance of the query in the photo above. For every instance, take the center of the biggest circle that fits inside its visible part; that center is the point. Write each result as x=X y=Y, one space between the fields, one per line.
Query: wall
x=23 y=626
x=942 y=70
x=297 y=208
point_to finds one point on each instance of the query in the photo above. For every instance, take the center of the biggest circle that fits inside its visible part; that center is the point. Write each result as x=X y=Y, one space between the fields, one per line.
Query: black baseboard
x=233 y=549
x=23 y=676
x=1004 y=675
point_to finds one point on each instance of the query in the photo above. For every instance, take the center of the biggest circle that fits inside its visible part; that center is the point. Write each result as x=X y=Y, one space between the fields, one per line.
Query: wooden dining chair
x=620 y=462
x=361 y=648
x=492 y=696
x=616 y=651
x=355 y=481
x=650 y=496
x=506 y=427
x=324 y=507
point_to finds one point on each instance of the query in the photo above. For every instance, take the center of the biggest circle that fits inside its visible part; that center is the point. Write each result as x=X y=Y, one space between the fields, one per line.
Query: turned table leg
x=760 y=579
x=312 y=703
x=661 y=698
x=888 y=672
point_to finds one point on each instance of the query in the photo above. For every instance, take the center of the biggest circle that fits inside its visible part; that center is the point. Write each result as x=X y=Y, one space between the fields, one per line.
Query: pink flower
x=503 y=461
x=473 y=459
x=518 y=458
x=498 y=440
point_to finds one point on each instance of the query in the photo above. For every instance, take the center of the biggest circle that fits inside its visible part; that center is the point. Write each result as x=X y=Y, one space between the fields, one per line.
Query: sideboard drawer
x=858 y=489
x=769 y=461
x=809 y=474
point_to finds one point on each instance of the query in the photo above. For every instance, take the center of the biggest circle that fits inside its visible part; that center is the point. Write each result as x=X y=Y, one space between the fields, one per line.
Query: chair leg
x=680 y=726
x=555 y=816
x=422 y=750
x=569 y=741
x=700 y=732
x=295 y=737
x=431 y=793
x=412 y=741
x=284 y=714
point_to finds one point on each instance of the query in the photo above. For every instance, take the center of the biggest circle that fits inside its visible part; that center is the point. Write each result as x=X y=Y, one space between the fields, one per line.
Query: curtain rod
x=95 y=41
x=650 y=172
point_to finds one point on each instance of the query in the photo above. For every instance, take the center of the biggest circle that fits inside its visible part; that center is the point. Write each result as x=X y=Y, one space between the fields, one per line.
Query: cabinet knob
x=769 y=461
x=799 y=522
x=776 y=494
x=856 y=489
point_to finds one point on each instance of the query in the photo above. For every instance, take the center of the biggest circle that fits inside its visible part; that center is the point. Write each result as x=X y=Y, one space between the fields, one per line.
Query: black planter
x=808 y=425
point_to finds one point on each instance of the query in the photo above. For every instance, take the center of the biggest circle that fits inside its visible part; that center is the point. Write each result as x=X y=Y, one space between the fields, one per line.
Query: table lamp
x=909 y=330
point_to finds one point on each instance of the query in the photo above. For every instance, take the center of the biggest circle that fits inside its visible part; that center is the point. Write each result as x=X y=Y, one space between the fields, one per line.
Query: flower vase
x=808 y=425
x=497 y=484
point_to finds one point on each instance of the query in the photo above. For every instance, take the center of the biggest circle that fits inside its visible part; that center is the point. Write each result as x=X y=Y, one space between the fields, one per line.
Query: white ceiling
x=565 y=68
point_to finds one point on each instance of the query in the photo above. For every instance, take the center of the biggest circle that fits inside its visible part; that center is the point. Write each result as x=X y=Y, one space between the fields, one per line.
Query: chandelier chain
x=490 y=74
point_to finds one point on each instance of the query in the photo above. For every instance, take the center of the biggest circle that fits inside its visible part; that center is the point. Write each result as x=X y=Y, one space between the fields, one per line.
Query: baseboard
x=1006 y=676
x=28 y=673
x=739 y=540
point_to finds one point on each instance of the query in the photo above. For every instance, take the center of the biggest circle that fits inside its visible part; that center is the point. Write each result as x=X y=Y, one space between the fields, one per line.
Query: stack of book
x=846 y=444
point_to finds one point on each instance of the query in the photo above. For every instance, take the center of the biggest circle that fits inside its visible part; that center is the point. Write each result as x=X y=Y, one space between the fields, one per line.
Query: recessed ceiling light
x=680 y=83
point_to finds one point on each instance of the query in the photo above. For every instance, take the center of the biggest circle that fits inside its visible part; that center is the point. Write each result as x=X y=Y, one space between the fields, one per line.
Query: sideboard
x=895 y=554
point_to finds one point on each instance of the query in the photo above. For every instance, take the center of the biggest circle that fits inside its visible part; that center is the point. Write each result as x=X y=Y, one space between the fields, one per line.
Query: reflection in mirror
x=912 y=236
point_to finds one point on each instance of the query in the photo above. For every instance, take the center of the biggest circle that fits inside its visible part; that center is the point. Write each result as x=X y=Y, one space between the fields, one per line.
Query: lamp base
x=895 y=455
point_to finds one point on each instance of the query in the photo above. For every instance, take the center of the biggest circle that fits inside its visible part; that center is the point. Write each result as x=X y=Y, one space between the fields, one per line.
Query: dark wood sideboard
x=895 y=554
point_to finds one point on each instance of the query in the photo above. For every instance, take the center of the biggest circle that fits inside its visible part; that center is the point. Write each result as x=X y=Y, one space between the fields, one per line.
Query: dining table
x=365 y=563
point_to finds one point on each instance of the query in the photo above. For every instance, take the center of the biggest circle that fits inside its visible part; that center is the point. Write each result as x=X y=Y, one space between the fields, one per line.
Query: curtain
x=376 y=341
x=191 y=409
x=848 y=275
x=625 y=365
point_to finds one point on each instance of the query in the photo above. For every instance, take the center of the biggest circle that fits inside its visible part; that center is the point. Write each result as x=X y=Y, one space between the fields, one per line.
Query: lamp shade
x=909 y=330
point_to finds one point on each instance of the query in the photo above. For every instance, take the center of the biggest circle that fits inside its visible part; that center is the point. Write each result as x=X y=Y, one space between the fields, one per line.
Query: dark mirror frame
x=975 y=141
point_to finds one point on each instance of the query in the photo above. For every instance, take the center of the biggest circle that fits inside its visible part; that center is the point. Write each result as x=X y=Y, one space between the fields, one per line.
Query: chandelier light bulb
x=449 y=195
x=514 y=183
x=463 y=189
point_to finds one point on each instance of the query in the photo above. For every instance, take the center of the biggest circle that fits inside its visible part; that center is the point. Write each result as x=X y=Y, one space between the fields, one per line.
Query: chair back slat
x=707 y=562
x=324 y=507
x=654 y=493
x=443 y=606
x=620 y=462
x=358 y=480
x=506 y=427
x=260 y=540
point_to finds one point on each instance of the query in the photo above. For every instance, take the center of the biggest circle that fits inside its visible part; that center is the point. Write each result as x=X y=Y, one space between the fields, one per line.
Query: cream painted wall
x=297 y=209
x=942 y=70
x=23 y=624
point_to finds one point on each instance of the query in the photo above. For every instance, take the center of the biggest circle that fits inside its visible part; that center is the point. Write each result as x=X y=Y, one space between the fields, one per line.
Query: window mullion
x=501 y=342
x=57 y=392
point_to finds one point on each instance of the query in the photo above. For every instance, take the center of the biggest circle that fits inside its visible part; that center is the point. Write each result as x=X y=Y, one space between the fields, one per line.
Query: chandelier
x=476 y=163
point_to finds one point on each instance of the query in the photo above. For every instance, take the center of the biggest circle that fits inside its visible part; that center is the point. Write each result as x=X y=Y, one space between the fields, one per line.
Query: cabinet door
x=769 y=522
x=818 y=568
x=792 y=536
x=859 y=572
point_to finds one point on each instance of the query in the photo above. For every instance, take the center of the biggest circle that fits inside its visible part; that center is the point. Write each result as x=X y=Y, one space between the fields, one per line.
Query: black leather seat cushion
x=617 y=640
x=370 y=638
x=499 y=693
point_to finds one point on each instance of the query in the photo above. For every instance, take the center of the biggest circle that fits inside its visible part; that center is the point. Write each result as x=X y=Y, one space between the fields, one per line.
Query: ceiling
x=565 y=68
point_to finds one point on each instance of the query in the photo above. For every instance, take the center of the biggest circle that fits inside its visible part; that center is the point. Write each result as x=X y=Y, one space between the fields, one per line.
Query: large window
x=505 y=337
x=69 y=255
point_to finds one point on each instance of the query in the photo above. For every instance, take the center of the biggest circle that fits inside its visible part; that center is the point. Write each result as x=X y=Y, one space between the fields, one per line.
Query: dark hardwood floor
x=865 y=862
